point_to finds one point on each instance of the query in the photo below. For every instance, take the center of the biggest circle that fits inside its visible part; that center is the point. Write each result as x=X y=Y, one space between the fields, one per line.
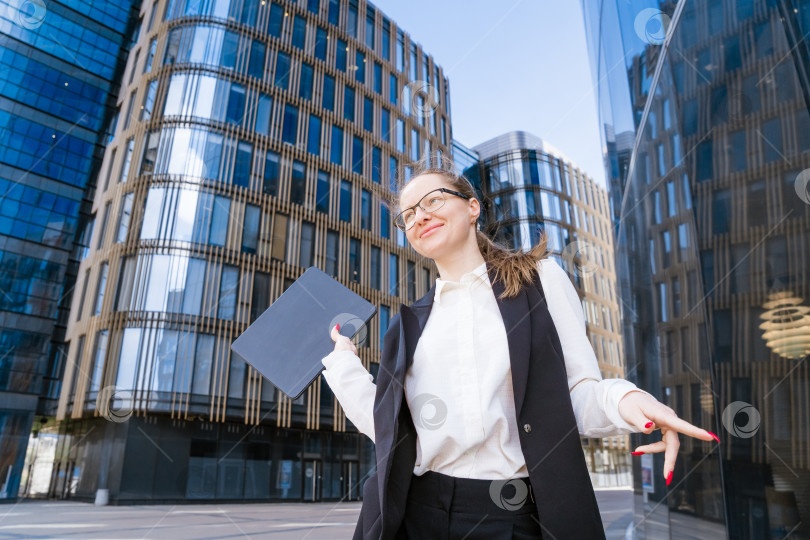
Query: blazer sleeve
x=353 y=387
x=595 y=400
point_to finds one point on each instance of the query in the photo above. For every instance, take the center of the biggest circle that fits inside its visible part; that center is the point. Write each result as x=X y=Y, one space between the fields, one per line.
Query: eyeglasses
x=435 y=200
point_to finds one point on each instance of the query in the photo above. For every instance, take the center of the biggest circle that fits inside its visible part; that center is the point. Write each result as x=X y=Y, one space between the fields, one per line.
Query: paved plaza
x=282 y=521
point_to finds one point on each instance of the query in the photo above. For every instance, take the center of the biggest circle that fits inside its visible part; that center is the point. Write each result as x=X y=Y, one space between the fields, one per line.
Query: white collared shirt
x=459 y=387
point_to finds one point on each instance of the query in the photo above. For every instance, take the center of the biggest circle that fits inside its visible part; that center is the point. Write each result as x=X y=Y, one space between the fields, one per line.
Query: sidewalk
x=282 y=521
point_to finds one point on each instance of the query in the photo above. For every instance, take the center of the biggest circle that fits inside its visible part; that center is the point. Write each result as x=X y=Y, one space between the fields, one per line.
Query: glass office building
x=60 y=63
x=704 y=107
x=530 y=188
x=256 y=139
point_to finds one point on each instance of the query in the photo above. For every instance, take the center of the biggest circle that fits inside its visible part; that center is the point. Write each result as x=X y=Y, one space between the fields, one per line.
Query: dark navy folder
x=287 y=342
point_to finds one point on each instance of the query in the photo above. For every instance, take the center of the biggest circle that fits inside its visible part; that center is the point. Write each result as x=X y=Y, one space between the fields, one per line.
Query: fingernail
x=648 y=425
x=716 y=438
x=669 y=477
x=338 y=328
x=636 y=453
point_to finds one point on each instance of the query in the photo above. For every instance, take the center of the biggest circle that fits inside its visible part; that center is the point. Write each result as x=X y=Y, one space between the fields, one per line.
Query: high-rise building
x=60 y=66
x=713 y=218
x=256 y=139
x=529 y=188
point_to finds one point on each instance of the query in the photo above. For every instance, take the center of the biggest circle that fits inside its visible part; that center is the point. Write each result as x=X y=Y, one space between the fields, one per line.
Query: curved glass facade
x=529 y=189
x=54 y=108
x=256 y=140
x=704 y=108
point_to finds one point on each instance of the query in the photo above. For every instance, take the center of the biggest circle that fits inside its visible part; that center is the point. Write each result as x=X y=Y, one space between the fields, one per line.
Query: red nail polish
x=636 y=453
x=716 y=438
x=669 y=477
x=338 y=328
x=648 y=425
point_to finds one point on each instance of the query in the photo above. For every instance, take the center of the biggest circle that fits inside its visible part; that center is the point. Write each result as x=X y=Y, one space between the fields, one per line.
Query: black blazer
x=549 y=438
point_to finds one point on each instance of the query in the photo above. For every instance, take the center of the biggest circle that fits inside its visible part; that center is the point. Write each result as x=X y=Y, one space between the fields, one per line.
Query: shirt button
x=527 y=428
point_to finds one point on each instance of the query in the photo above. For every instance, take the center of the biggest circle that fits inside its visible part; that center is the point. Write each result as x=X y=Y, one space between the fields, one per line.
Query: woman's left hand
x=648 y=414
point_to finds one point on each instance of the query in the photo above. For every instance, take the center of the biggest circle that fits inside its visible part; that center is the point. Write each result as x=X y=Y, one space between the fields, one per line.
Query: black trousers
x=442 y=507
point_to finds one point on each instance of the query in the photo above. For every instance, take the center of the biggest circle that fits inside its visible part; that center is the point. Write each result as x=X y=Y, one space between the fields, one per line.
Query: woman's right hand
x=342 y=343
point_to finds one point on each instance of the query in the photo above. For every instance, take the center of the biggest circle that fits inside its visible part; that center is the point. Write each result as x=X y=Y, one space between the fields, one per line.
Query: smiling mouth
x=429 y=231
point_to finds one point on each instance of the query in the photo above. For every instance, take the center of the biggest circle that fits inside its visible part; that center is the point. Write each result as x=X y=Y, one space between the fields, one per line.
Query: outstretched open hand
x=648 y=414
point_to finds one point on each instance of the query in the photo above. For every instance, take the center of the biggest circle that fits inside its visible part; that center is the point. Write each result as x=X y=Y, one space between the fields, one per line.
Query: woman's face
x=444 y=231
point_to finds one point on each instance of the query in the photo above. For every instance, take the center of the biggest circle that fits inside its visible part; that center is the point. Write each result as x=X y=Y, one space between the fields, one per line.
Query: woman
x=485 y=385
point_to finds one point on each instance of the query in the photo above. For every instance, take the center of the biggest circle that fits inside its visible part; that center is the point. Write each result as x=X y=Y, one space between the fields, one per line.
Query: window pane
x=306 y=253
x=250 y=230
x=322 y=192
x=314 y=135
x=345 y=200
x=227 y=292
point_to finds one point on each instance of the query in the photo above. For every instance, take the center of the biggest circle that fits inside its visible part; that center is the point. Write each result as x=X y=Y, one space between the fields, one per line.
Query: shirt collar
x=478 y=275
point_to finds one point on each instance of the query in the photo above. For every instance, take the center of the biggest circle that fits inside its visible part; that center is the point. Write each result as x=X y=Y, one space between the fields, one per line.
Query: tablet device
x=287 y=342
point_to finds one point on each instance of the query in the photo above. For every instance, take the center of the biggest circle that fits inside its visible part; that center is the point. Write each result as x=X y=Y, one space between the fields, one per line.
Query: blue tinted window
x=374 y=267
x=275 y=19
x=314 y=6
x=271 y=174
x=357 y=155
x=241 y=170
x=354 y=260
x=264 y=114
x=393 y=89
x=385 y=319
x=250 y=229
x=378 y=77
x=236 y=105
x=334 y=12
x=365 y=209
x=336 y=155
x=299 y=32
x=314 y=135
x=360 y=62
x=282 y=75
x=393 y=165
x=345 y=200
x=322 y=192
x=368 y=114
x=385 y=124
x=305 y=86
x=298 y=182
x=348 y=103
x=290 y=127
x=393 y=275
x=385 y=221
x=328 y=98
x=376 y=164
x=341 y=52
x=320 y=44
x=256 y=64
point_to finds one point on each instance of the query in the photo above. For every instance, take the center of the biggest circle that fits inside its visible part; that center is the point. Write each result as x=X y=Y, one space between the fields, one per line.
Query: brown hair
x=515 y=269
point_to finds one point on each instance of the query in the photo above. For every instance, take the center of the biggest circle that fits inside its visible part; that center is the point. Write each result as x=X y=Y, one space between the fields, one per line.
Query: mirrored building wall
x=54 y=110
x=704 y=107
x=256 y=139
